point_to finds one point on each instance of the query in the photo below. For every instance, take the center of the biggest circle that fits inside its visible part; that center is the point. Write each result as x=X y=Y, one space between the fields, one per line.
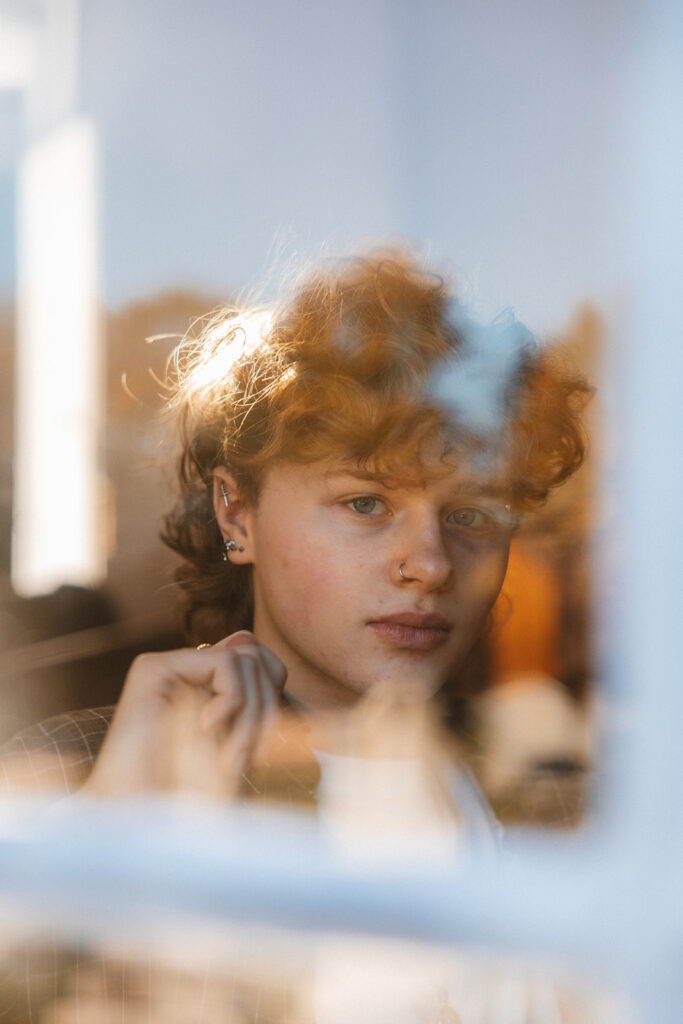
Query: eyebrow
x=481 y=488
x=487 y=489
x=357 y=474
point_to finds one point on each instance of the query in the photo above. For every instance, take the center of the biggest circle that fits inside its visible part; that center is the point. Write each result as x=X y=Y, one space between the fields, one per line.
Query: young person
x=353 y=466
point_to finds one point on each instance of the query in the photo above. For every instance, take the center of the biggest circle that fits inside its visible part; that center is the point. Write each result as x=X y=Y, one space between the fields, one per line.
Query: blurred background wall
x=236 y=136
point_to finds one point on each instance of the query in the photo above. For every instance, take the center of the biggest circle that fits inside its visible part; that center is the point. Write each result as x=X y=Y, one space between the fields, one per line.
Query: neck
x=311 y=690
x=324 y=695
x=377 y=729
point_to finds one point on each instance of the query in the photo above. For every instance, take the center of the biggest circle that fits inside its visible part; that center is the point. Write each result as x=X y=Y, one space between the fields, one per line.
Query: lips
x=412 y=630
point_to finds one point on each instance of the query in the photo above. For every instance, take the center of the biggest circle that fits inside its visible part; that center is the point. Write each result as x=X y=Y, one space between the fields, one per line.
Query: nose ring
x=400 y=572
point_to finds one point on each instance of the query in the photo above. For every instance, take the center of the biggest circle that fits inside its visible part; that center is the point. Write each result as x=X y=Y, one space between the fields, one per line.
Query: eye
x=498 y=518
x=366 y=505
x=474 y=518
x=468 y=516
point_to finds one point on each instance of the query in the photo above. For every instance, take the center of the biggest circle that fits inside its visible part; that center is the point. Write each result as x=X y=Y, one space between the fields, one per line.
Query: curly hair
x=367 y=361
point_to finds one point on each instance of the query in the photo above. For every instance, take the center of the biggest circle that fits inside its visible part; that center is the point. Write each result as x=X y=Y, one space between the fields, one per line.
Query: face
x=363 y=584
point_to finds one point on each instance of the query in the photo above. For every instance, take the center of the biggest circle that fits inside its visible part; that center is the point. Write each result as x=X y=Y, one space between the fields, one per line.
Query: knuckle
x=153 y=672
x=145 y=662
x=149 y=670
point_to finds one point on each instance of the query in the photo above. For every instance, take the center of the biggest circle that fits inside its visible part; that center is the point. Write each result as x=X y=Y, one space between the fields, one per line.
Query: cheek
x=481 y=579
x=301 y=581
x=495 y=569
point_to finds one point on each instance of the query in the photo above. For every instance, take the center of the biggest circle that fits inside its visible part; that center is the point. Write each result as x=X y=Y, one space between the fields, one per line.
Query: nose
x=421 y=558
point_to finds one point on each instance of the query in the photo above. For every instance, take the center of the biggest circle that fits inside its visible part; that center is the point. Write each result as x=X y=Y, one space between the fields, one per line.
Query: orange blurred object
x=527 y=615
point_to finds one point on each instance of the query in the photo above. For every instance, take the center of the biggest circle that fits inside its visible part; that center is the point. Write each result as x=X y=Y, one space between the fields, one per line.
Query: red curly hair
x=349 y=367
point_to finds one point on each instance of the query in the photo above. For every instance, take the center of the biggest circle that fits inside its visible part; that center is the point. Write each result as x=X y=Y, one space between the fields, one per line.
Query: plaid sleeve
x=56 y=754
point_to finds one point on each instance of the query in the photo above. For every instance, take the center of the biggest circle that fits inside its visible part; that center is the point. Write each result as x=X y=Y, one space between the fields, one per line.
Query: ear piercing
x=230 y=545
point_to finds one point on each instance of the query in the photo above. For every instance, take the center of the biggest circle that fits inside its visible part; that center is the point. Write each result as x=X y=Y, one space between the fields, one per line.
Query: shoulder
x=57 y=753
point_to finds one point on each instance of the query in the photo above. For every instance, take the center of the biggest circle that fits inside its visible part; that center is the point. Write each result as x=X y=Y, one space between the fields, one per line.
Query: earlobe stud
x=230 y=545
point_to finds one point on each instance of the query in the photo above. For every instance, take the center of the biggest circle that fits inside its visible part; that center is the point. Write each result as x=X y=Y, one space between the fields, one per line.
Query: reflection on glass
x=254 y=978
x=355 y=466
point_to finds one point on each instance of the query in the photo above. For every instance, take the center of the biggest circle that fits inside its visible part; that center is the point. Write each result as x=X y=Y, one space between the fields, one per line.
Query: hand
x=190 y=720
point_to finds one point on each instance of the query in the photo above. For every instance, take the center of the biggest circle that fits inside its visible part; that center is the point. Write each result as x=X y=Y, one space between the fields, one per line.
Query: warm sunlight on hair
x=231 y=339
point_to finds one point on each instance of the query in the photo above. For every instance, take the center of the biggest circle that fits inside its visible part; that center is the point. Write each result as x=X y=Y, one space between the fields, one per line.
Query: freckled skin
x=324 y=568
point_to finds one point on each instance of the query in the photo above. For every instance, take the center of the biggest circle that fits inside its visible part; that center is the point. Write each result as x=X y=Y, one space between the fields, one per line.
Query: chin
x=413 y=690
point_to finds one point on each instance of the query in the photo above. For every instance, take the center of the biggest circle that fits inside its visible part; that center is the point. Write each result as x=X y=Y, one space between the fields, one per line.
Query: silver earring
x=226 y=500
x=230 y=545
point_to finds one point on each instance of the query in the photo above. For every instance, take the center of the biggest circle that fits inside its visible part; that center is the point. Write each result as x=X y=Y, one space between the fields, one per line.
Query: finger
x=187 y=664
x=244 y=638
x=227 y=679
x=242 y=738
x=220 y=712
x=252 y=736
x=271 y=663
x=222 y=669
x=164 y=673
x=276 y=669
x=270 y=718
x=230 y=695
x=237 y=671
x=269 y=694
x=230 y=684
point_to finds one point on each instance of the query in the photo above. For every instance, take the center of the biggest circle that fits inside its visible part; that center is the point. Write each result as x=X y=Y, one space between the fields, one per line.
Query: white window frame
x=607 y=899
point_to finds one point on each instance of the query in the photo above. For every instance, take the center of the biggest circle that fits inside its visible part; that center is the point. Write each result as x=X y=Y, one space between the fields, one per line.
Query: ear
x=232 y=515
